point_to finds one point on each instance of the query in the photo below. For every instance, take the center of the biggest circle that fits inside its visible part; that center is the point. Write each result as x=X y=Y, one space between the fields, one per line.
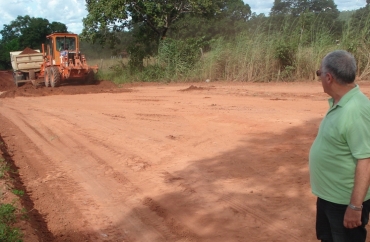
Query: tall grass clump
x=177 y=58
x=246 y=58
x=316 y=39
x=175 y=61
x=290 y=51
x=120 y=73
x=279 y=48
x=257 y=55
x=356 y=39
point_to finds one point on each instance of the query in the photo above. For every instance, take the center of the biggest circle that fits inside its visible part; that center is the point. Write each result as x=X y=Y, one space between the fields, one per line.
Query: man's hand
x=352 y=218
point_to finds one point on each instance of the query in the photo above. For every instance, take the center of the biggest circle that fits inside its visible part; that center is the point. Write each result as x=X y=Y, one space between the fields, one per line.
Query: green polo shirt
x=343 y=138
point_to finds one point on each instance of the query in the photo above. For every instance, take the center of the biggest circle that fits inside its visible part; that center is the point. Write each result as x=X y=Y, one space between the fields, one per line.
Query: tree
x=5 y=48
x=151 y=18
x=235 y=10
x=281 y=7
x=31 y=32
x=228 y=22
x=159 y=15
x=309 y=14
x=25 y=31
x=358 y=30
x=298 y=7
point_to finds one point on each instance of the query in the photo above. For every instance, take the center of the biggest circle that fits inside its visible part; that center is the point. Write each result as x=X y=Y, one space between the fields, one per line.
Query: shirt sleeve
x=358 y=135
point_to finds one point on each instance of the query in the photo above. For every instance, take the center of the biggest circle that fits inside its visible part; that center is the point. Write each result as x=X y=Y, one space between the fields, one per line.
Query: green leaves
x=25 y=31
x=109 y=15
x=298 y=7
x=179 y=56
x=149 y=20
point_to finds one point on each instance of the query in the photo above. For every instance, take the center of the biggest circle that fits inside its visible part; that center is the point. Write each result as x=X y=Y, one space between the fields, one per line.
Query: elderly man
x=339 y=158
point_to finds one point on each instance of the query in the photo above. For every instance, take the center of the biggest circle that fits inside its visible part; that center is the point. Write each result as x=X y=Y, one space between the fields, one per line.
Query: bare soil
x=27 y=51
x=218 y=161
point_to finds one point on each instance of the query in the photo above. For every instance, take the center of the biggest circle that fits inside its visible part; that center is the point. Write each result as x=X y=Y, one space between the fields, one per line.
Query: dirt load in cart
x=62 y=62
x=26 y=65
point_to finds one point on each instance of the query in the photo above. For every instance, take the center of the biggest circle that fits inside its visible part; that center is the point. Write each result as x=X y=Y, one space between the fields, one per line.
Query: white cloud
x=68 y=12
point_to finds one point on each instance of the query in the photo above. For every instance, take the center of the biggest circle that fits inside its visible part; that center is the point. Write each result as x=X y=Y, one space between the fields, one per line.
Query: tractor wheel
x=54 y=77
x=15 y=80
x=47 y=77
x=90 y=78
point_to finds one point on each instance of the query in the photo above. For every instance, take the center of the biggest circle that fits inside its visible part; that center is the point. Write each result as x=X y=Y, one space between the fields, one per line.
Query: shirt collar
x=345 y=98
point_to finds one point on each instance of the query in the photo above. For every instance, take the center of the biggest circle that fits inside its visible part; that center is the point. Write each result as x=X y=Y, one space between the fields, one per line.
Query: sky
x=264 y=6
x=71 y=12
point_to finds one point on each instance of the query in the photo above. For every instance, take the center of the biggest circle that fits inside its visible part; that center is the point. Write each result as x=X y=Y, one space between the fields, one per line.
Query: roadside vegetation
x=287 y=45
x=212 y=40
x=11 y=212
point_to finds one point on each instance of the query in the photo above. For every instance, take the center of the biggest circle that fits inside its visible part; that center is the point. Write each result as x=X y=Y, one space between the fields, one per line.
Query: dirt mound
x=192 y=88
x=6 y=81
x=28 y=51
x=8 y=89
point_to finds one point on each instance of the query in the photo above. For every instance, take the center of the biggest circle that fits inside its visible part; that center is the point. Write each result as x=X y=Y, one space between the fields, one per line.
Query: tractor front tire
x=54 y=77
x=47 y=77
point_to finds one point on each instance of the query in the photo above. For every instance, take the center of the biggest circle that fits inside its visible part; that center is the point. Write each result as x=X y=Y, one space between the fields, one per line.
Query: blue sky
x=71 y=12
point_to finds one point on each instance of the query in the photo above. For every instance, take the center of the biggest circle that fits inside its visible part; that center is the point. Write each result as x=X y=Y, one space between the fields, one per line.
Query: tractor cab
x=62 y=46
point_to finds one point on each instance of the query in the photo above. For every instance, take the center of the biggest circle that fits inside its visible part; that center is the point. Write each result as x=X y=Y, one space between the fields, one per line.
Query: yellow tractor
x=60 y=61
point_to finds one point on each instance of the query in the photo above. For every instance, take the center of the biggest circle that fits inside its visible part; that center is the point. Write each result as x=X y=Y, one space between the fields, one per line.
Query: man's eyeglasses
x=318 y=73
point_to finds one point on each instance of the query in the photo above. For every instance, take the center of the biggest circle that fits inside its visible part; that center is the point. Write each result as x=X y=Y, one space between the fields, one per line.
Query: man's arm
x=352 y=218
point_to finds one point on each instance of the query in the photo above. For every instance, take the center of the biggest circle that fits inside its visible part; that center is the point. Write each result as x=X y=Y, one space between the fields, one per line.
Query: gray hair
x=341 y=65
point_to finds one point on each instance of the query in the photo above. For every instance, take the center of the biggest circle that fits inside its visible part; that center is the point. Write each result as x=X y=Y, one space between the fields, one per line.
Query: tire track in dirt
x=46 y=181
x=101 y=140
x=100 y=192
x=165 y=170
x=61 y=152
x=99 y=144
x=259 y=220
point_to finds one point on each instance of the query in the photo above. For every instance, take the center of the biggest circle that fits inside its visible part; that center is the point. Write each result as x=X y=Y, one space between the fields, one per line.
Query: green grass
x=18 y=192
x=8 y=217
x=9 y=214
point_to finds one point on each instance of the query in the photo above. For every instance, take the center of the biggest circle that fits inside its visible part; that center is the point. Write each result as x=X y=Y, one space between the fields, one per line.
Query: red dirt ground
x=215 y=162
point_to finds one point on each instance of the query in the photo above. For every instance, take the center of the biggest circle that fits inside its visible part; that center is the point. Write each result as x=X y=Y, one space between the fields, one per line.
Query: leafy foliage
x=297 y=7
x=116 y=15
x=311 y=14
x=25 y=31
x=178 y=57
x=149 y=20
x=228 y=22
x=31 y=32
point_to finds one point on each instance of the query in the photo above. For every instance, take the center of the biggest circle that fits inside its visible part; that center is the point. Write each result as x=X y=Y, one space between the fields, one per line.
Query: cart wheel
x=15 y=80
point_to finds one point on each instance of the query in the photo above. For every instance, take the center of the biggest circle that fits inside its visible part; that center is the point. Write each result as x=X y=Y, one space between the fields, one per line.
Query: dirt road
x=181 y=162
